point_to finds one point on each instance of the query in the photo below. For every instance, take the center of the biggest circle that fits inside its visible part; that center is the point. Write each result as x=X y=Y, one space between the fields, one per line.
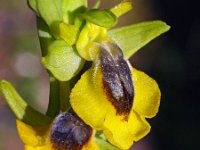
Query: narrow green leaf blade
x=62 y=61
x=131 y=38
x=20 y=108
x=104 y=18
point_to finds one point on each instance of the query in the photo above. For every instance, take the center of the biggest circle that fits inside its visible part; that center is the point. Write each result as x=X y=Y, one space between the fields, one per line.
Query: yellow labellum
x=89 y=101
x=38 y=138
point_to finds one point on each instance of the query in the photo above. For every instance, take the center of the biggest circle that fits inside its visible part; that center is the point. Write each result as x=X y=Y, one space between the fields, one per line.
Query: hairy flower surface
x=104 y=100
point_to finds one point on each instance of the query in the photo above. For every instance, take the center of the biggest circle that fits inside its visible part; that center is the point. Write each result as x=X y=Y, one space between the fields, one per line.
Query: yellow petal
x=147 y=94
x=33 y=137
x=116 y=130
x=90 y=145
x=138 y=126
x=123 y=133
x=37 y=138
x=88 y=99
x=44 y=147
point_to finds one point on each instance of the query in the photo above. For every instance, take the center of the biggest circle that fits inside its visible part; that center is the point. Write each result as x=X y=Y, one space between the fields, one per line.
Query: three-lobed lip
x=117 y=78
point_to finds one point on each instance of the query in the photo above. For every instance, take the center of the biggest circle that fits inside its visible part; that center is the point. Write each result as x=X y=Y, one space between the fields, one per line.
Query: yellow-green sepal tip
x=122 y=8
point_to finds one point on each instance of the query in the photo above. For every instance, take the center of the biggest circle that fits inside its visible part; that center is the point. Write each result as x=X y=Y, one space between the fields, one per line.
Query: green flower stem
x=45 y=37
x=54 y=103
x=45 y=40
x=65 y=89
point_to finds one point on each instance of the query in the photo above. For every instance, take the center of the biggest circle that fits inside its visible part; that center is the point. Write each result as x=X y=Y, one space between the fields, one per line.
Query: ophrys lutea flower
x=67 y=132
x=112 y=97
x=115 y=97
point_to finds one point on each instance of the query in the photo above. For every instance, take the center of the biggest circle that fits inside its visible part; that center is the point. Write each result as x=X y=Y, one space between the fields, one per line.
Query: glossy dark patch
x=117 y=78
x=69 y=132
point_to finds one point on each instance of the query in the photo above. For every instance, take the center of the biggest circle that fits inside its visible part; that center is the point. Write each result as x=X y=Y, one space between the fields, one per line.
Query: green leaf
x=104 y=18
x=62 y=60
x=131 y=38
x=103 y=145
x=20 y=108
x=70 y=8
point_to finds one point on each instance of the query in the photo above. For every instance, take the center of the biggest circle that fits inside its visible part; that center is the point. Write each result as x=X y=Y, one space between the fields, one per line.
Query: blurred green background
x=172 y=59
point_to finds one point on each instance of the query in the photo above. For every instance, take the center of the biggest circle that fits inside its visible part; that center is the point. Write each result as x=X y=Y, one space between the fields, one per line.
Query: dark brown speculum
x=69 y=132
x=117 y=78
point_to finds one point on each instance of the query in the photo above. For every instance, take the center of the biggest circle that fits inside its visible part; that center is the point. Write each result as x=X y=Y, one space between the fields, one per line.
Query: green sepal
x=62 y=60
x=103 y=18
x=20 y=108
x=72 y=7
x=131 y=38
x=103 y=145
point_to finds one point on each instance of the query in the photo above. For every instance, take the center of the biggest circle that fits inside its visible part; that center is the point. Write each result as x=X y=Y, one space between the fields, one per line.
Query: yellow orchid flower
x=67 y=132
x=115 y=97
x=112 y=97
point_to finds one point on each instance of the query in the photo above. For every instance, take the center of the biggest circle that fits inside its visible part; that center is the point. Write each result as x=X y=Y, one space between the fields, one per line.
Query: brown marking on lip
x=69 y=132
x=117 y=80
x=120 y=105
